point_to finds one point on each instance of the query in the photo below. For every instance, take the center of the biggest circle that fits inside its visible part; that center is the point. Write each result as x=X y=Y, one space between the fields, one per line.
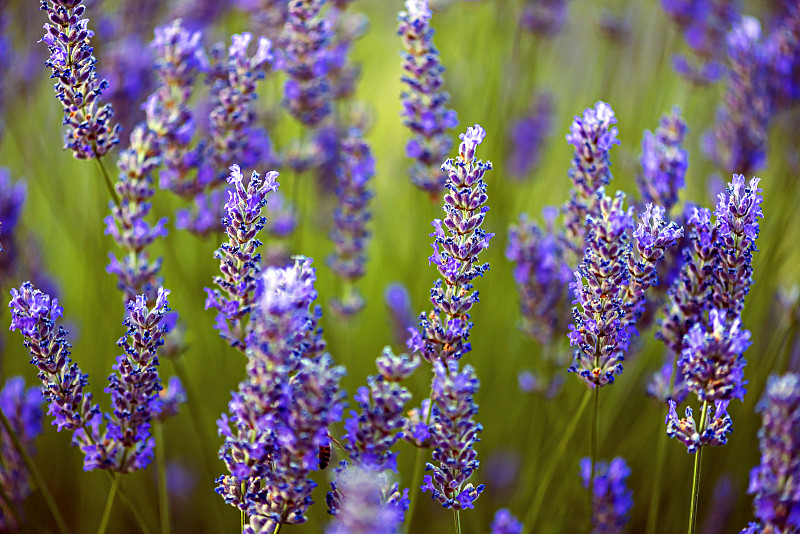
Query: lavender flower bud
x=239 y=261
x=666 y=384
x=752 y=528
x=170 y=398
x=664 y=162
x=268 y=16
x=782 y=51
x=425 y=110
x=544 y=17
x=399 y=303
x=12 y=198
x=592 y=136
x=90 y=132
x=611 y=498
x=454 y=433
x=775 y=483
x=528 y=135
x=505 y=523
x=714 y=426
x=461 y=239
x=364 y=508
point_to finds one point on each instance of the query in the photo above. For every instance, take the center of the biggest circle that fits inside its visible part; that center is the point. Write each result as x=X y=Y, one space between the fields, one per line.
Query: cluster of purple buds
x=12 y=198
x=783 y=57
x=667 y=383
x=279 y=416
x=592 y=135
x=544 y=17
x=240 y=264
x=342 y=72
x=453 y=434
x=715 y=425
x=90 y=131
x=350 y=234
x=505 y=523
x=425 y=110
x=541 y=275
x=306 y=38
x=775 y=482
x=458 y=240
x=369 y=503
x=23 y=409
x=126 y=444
x=611 y=499
x=528 y=135
x=664 y=162
x=704 y=24
x=738 y=141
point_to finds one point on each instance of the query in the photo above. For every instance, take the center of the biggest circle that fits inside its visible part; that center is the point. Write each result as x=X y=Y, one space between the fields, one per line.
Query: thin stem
x=415 y=477
x=456 y=521
x=34 y=471
x=107 y=180
x=544 y=481
x=696 y=476
x=241 y=520
x=595 y=430
x=127 y=502
x=163 y=495
x=109 y=504
x=655 y=495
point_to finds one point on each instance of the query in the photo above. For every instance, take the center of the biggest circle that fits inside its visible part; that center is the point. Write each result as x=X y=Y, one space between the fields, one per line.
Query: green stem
x=544 y=481
x=415 y=477
x=163 y=495
x=127 y=502
x=241 y=520
x=595 y=430
x=107 y=180
x=456 y=521
x=696 y=476
x=34 y=471
x=655 y=495
x=109 y=504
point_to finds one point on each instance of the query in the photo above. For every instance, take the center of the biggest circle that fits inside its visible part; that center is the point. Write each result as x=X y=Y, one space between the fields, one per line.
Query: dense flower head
x=12 y=198
x=782 y=47
x=424 y=101
x=23 y=409
x=267 y=16
x=350 y=233
x=458 y=240
x=664 y=162
x=365 y=504
x=592 y=135
x=454 y=433
x=544 y=17
x=306 y=37
x=738 y=140
x=611 y=498
x=528 y=135
x=505 y=523
x=711 y=362
x=240 y=264
x=715 y=425
x=775 y=482
x=90 y=130
x=541 y=275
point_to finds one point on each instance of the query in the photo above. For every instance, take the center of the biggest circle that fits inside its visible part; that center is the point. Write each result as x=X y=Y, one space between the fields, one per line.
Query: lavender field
x=385 y=266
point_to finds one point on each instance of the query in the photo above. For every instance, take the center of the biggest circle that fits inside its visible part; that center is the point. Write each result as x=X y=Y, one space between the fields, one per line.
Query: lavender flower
x=782 y=47
x=398 y=301
x=306 y=35
x=664 y=162
x=23 y=408
x=775 y=482
x=667 y=383
x=752 y=528
x=239 y=262
x=12 y=198
x=528 y=135
x=90 y=132
x=267 y=16
x=592 y=136
x=738 y=141
x=454 y=433
x=713 y=429
x=446 y=338
x=350 y=219
x=544 y=17
x=366 y=506
x=505 y=523
x=425 y=110
x=611 y=498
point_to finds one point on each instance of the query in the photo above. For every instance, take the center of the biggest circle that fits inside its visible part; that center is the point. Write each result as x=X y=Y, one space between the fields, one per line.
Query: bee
x=324 y=455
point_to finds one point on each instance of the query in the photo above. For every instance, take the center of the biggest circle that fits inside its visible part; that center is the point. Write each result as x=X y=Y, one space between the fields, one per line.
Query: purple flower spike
x=458 y=240
x=454 y=433
x=23 y=408
x=592 y=135
x=528 y=136
x=425 y=110
x=611 y=499
x=505 y=523
x=775 y=482
x=715 y=432
x=664 y=162
x=90 y=131
x=12 y=198
x=240 y=264
x=268 y=16
x=402 y=318
x=711 y=362
x=365 y=505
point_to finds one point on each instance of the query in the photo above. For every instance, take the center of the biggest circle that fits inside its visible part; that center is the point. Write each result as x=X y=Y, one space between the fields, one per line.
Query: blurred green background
x=493 y=70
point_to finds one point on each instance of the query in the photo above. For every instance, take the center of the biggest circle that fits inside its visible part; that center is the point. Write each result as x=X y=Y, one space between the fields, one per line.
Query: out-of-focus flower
x=528 y=135
x=544 y=17
x=611 y=499
x=664 y=162
x=366 y=505
x=505 y=523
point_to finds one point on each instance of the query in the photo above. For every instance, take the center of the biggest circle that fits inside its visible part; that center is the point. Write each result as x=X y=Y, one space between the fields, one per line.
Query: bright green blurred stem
x=415 y=476
x=655 y=495
x=457 y=520
x=107 y=180
x=37 y=475
x=696 y=477
x=163 y=495
x=127 y=502
x=543 y=482
x=109 y=504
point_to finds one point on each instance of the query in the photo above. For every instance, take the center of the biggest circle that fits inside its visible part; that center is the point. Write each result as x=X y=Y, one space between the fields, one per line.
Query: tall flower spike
x=350 y=234
x=240 y=264
x=664 y=162
x=528 y=135
x=23 y=408
x=425 y=110
x=90 y=131
x=592 y=135
x=458 y=240
x=611 y=499
x=775 y=482
x=454 y=433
